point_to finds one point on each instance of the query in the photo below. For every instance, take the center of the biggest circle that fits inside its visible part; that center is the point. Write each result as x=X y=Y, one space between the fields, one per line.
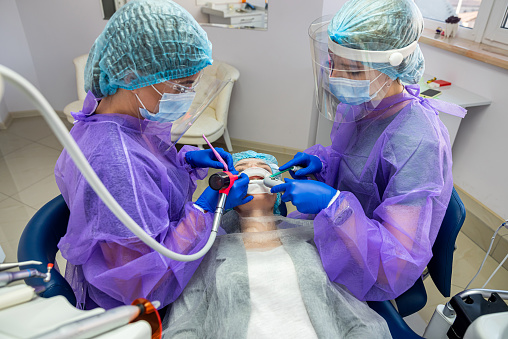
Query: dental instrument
x=105 y=322
x=6 y=266
x=293 y=168
x=8 y=277
x=271 y=182
x=63 y=136
x=216 y=154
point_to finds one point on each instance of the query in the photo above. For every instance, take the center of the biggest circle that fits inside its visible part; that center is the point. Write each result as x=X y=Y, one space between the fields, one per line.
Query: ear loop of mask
x=141 y=102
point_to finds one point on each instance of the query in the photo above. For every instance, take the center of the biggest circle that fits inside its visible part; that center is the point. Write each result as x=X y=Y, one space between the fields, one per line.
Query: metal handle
x=219 y=211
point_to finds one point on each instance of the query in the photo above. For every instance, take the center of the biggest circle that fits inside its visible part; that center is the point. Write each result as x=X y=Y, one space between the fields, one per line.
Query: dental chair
x=76 y=106
x=214 y=119
x=39 y=242
x=439 y=269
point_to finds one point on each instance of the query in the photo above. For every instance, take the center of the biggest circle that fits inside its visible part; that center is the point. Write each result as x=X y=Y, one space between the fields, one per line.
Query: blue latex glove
x=206 y=158
x=308 y=196
x=237 y=195
x=311 y=164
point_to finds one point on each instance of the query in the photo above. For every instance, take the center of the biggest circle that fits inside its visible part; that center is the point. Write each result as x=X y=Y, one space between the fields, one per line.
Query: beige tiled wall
x=480 y=225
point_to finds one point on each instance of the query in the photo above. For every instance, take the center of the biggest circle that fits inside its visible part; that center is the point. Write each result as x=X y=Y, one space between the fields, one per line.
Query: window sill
x=481 y=52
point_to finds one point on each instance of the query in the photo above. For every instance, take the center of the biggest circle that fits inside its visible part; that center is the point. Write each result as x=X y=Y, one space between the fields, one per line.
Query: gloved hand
x=206 y=158
x=237 y=195
x=308 y=196
x=311 y=164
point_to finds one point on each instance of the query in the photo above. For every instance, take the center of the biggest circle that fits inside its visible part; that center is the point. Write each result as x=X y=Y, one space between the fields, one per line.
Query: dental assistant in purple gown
x=385 y=182
x=141 y=78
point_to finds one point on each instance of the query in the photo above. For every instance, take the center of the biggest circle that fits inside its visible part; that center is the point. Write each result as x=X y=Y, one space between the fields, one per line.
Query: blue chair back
x=440 y=266
x=440 y=270
x=39 y=242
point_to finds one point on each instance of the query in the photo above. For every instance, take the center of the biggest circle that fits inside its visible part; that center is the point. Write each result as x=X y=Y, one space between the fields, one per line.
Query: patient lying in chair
x=264 y=279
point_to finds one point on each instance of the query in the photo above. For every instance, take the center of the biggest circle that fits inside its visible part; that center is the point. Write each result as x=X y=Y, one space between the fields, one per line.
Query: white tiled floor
x=28 y=152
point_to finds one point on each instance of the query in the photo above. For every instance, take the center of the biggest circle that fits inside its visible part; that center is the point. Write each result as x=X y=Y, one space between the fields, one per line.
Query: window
x=484 y=21
x=439 y=10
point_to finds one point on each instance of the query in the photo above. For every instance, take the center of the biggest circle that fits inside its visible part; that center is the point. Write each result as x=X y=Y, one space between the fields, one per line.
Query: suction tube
x=61 y=132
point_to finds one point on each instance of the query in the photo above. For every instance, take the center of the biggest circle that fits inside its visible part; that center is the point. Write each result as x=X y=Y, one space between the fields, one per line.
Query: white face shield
x=206 y=90
x=350 y=76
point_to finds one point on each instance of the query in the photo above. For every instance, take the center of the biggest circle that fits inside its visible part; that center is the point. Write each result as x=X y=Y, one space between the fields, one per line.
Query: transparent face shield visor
x=350 y=82
x=182 y=102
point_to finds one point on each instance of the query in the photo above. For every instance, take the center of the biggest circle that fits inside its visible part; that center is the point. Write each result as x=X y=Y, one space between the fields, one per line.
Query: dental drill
x=8 y=277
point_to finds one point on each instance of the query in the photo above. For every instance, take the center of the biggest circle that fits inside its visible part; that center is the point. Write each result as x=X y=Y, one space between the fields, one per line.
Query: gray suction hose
x=61 y=132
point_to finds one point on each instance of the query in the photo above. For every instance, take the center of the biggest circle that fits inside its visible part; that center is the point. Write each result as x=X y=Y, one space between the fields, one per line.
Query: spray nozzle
x=48 y=273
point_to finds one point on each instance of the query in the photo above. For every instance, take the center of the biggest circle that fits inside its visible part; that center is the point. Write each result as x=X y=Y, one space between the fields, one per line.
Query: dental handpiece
x=8 y=277
x=97 y=324
x=7 y=266
x=270 y=182
x=292 y=168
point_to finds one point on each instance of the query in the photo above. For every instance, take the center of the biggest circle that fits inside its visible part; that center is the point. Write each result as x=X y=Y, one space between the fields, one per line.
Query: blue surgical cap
x=146 y=42
x=270 y=160
x=381 y=25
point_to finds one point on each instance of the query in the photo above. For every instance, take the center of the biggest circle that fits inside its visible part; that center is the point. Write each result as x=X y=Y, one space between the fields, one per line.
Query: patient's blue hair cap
x=270 y=160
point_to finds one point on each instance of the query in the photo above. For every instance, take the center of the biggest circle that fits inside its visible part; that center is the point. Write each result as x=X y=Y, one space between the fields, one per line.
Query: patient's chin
x=260 y=201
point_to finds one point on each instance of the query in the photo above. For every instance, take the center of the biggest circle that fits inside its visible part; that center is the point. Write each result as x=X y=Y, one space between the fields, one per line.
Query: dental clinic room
x=254 y=169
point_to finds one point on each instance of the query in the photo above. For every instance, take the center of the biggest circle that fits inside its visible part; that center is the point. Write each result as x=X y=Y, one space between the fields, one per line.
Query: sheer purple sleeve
x=323 y=153
x=196 y=173
x=128 y=269
x=116 y=266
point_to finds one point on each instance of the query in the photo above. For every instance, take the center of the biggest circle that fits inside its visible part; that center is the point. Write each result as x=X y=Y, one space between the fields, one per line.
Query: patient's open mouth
x=256 y=177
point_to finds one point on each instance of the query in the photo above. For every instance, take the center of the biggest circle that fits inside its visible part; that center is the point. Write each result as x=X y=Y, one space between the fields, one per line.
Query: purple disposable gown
x=394 y=174
x=106 y=262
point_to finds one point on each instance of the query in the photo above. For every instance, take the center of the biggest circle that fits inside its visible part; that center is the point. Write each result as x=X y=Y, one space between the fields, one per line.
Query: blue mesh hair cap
x=270 y=160
x=381 y=25
x=146 y=42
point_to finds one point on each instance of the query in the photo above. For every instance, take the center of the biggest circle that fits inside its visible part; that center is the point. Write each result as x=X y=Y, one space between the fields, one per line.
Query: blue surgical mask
x=172 y=106
x=352 y=92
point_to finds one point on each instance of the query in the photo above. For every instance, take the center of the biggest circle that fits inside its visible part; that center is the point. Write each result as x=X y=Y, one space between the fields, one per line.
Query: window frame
x=476 y=33
x=494 y=34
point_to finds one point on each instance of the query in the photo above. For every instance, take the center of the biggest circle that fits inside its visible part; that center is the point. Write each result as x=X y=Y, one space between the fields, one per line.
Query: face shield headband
x=349 y=77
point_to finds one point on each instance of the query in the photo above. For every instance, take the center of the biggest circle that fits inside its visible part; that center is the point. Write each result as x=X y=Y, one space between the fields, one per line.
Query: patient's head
x=257 y=166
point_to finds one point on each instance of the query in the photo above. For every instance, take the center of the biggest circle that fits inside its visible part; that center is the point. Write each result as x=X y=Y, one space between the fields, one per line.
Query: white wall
x=194 y=10
x=57 y=31
x=480 y=149
x=15 y=54
x=330 y=7
x=272 y=100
